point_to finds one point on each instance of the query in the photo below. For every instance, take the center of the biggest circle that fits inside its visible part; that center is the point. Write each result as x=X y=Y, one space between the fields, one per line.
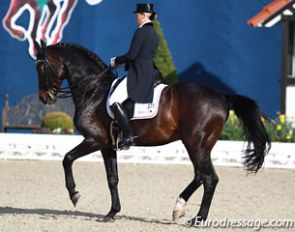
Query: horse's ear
x=43 y=44
x=43 y=47
x=37 y=49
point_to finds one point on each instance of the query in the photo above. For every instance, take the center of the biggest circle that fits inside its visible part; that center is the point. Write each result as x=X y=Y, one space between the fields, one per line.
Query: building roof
x=272 y=13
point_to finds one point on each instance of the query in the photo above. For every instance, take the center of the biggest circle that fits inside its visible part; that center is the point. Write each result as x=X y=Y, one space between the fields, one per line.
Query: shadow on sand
x=51 y=213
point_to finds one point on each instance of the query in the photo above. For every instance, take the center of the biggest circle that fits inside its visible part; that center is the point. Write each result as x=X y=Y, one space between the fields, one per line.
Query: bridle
x=54 y=91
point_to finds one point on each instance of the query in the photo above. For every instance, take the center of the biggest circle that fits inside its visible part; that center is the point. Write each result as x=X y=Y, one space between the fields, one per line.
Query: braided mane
x=85 y=51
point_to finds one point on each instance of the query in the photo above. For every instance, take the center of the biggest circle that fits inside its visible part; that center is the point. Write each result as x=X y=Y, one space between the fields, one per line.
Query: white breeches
x=120 y=94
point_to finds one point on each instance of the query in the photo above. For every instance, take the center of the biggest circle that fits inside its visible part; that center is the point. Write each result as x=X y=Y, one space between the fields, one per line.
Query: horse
x=192 y=113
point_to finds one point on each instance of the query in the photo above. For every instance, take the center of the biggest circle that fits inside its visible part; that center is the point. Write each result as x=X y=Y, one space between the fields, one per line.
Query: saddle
x=135 y=111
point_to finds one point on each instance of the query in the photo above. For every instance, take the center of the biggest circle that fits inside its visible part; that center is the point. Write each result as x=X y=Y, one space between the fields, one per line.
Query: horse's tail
x=258 y=140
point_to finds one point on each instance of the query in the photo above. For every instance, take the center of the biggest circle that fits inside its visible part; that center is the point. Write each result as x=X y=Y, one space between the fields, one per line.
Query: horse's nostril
x=43 y=97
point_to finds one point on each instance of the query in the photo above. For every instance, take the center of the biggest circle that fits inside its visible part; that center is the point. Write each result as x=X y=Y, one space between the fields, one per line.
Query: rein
x=65 y=92
x=113 y=70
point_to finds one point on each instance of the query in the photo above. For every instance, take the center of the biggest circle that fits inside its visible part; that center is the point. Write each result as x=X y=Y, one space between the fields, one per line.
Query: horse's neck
x=89 y=90
x=86 y=85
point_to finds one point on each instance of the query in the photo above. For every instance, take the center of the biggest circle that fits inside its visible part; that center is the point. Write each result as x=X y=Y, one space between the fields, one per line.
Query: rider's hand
x=113 y=64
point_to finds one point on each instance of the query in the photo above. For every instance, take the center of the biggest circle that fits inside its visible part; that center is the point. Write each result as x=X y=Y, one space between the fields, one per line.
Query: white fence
x=54 y=147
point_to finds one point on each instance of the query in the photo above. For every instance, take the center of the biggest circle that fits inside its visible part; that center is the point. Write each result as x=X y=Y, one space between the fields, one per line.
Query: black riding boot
x=123 y=120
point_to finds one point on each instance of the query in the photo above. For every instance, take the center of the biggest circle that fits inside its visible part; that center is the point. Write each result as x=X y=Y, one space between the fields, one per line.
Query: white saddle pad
x=142 y=110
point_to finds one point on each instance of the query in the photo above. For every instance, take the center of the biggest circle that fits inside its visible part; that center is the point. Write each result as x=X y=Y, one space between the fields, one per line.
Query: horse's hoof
x=75 y=198
x=108 y=219
x=177 y=214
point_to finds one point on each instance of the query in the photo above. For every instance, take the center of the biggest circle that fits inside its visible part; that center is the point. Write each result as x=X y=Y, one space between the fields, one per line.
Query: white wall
x=54 y=147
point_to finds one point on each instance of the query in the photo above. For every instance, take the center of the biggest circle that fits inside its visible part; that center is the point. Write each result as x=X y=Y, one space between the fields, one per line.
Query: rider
x=142 y=73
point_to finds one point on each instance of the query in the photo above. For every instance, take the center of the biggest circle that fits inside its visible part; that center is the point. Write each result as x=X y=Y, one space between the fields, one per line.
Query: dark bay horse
x=188 y=112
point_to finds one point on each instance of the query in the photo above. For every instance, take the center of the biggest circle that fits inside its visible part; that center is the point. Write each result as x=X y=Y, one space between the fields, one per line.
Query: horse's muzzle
x=47 y=97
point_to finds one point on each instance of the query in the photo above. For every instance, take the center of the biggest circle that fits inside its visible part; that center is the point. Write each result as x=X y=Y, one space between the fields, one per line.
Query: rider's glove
x=113 y=64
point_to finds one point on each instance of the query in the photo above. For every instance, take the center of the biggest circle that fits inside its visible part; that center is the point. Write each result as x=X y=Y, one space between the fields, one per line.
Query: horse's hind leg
x=209 y=180
x=178 y=210
x=204 y=174
x=110 y=161
x=84 y=148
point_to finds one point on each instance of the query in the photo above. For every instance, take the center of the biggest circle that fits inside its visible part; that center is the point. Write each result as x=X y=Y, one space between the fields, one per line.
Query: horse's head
x=51 y=73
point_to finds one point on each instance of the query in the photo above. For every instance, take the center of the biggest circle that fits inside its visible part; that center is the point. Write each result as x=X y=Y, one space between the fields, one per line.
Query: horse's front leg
x=110 y=161
x=86 y=147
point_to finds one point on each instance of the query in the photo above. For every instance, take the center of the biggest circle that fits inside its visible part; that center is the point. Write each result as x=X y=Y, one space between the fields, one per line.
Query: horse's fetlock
x=117 y=209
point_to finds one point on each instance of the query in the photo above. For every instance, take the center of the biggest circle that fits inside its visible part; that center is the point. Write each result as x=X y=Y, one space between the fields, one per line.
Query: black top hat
x=144 y=7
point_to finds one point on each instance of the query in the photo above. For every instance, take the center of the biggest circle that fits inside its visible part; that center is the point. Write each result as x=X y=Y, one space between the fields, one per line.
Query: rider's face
x=140 y=18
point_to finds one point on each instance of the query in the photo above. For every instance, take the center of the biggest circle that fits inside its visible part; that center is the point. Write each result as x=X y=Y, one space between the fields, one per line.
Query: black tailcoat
x=139 y=61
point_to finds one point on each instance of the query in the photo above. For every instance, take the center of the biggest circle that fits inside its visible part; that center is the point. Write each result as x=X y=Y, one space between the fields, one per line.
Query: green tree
x=163 y=58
